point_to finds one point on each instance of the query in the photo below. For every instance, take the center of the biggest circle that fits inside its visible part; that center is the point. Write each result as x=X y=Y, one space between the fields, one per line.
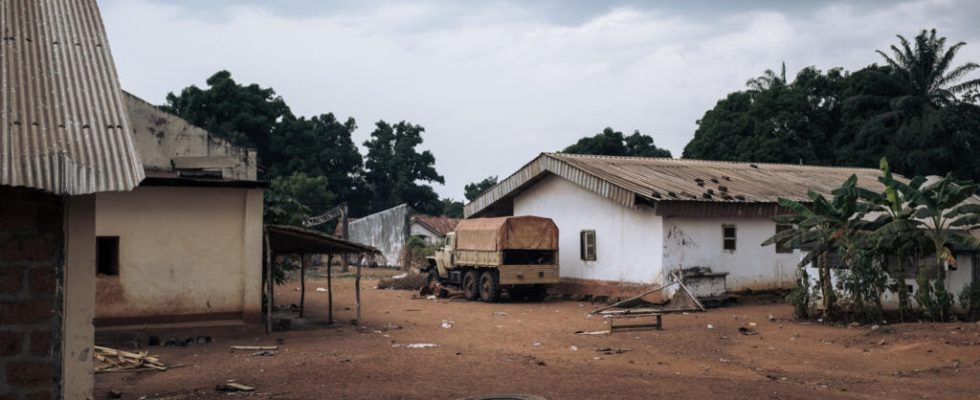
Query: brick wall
x=31 y=256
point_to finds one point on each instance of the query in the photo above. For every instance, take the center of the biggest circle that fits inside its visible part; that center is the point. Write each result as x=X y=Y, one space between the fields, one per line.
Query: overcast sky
x=497 y=82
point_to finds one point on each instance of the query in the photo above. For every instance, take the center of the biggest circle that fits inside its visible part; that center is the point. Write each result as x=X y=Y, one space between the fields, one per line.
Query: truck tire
x=433 y=285
x=471 y=285
x=489 y=286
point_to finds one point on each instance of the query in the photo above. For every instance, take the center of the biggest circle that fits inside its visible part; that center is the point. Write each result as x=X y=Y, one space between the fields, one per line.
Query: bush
x=970 y=300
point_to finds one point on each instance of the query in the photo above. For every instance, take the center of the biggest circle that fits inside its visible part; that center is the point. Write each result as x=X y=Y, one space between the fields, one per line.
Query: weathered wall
x=183 y=253
x=956 y=280
x=697 y=242
x=31 y=307
x=79 y=294
x=387 y=231
x=628 y=241
x=161 y=137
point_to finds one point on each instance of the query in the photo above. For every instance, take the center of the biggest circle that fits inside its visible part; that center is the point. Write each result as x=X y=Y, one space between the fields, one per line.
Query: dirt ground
x=530 y=348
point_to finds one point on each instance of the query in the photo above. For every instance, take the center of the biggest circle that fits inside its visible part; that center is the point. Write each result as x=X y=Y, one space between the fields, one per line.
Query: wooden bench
x=641 y=316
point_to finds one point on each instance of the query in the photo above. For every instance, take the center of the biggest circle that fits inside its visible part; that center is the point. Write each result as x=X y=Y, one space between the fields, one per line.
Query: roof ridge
x=698 y=160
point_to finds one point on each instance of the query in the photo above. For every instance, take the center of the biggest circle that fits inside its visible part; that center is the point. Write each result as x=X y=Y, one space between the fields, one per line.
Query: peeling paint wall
x=697 y=242
x=182 y=251
x=161 y=137
x=387 y=231
x=628 y=240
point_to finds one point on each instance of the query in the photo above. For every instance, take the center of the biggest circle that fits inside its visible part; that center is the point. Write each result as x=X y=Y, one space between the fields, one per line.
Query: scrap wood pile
x=119 y=360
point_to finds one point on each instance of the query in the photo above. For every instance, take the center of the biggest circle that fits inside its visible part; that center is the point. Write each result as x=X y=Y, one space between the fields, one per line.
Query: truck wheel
x=471 y=285
x=489 y=286
x=433 y=285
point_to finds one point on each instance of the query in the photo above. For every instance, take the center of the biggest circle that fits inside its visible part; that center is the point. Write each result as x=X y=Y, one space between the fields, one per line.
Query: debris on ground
x=321 y=289
x=403 y=281
x=592 y=332
x=119 y=360
x=573 y=348
x=499 y=314
x=747 y=331
x=390 y=327
x=711 y=326
x=263 y=353
x=232 y=386
x=255 y=348
x=113 y=394
x=421 y=345
x=612 y=350
x=446 y=324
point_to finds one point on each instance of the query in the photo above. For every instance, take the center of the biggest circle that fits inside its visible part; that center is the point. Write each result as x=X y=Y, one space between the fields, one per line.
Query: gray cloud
x=495 y=83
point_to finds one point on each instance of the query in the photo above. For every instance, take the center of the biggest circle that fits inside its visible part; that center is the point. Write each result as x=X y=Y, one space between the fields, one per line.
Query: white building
x=627 y=222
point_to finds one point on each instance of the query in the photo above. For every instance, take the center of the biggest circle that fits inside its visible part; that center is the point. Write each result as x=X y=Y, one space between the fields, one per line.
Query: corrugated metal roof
x=63 y=125
x=627 y=180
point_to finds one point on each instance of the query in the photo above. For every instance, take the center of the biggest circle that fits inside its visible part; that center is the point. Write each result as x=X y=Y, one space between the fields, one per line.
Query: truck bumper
x=528 y=274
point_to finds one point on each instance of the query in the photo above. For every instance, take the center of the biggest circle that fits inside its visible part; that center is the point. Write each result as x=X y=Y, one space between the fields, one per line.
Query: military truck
x=485 y=256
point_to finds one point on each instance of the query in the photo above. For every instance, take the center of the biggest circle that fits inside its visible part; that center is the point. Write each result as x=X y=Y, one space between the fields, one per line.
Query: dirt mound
x=403 y=282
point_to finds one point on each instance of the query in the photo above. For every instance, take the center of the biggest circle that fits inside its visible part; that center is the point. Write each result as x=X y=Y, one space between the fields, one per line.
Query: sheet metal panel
x=63 y=124
x=625 y=180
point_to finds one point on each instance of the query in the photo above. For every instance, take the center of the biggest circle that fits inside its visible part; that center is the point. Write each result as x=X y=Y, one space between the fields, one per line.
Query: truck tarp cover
x=507 y=233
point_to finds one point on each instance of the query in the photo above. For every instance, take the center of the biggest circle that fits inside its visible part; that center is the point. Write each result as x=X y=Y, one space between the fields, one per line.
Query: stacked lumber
x=118 y=360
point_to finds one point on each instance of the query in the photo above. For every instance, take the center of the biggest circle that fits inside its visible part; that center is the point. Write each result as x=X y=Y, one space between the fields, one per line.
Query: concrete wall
x=386 y=230
x=183 y=253
x=32 y=240
x=79 y=293
x=629 y=245
x=697 y=242
x=160 y=137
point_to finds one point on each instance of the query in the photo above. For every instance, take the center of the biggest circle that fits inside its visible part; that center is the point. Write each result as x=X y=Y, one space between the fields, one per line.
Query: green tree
x=245 y=115
x=294 y=198
x=396 y=168
x=773 y=120
x=825 y=228
x=321 y=146
x=610 y=142
x=925 y=70
x=452 y=208
x=475 y=189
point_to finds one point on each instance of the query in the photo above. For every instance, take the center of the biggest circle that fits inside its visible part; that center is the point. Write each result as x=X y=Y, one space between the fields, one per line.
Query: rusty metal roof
x=63 y=124
x=632 y=180
x=297 y=240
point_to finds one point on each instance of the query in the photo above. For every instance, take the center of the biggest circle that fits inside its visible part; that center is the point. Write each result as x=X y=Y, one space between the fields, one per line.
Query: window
x=107 y=255
x=728 y=237
x=587 y=242
x=782 y=248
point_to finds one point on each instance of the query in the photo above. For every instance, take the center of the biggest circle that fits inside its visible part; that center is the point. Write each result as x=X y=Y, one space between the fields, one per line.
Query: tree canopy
x=296 y=153
x=473 y=190
x=918 y=109
x=610 y=142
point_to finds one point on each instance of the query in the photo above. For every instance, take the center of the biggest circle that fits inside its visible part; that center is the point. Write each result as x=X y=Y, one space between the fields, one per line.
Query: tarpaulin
x=507 y=233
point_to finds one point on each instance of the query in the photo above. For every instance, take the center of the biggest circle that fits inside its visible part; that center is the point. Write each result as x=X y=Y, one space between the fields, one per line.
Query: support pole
x=344 y=234
x=330 y=289
x=269 y=284
x=357 y=290
x=302 y=284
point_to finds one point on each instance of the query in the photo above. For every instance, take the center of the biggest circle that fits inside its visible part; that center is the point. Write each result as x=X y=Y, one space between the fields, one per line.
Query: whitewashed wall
x=697 y=242
x=628 y=241
x=430 y=236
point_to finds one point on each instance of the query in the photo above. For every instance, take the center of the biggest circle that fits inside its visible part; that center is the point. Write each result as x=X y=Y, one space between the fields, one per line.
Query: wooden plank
x=357 y=290
x=255 y=348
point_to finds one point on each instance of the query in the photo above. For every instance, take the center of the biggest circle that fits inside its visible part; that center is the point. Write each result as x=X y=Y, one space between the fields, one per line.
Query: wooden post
x=357 y=291
x=344 y=234
x=329 y=289
x=302 y=284
x=269 y=284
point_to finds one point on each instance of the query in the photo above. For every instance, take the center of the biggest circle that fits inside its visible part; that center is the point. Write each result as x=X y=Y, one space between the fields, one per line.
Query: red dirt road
x=530 y=350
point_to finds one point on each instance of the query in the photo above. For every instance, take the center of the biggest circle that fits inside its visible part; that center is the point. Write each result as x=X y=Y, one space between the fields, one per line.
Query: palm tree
x=768 y=80
x=925 y=70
